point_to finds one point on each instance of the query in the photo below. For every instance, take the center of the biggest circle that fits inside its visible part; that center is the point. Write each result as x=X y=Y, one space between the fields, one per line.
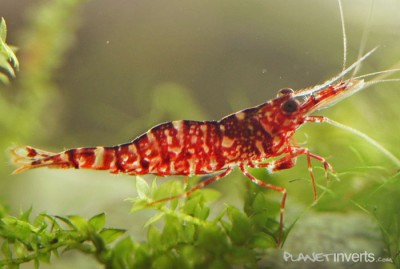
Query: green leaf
x=187 y=233
x=241 y=228
x=123 y=254
x=259 y=203
x=169 y=235
x=226 y=225
x=201 y=212
x=97 y=222
x=6 y=51
x=80 y=223
x=6 y=66
x=139 y=204
x=154 y=219
x=6 y=55
x=213 y=239
x=210 y=195
x=263 y=241
x=173 y=203
x=154 y=187
x=66 y=221
x=3 y=29
x=142 y=187
x=168 y=189
x=4 y=78
x=111 y=234
x=153 y=236
x=190 y=206
x=25 y=215
x=20 y=227
x=20 y=249
x=193 y=256
x=53 y=221
x=195 y=206
x=5 y=249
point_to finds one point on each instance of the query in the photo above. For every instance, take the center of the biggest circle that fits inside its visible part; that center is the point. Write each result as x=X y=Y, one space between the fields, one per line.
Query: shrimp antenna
x=344 y=36
x=369 y=83
x=384 y=73
x=364 y=37
x=329 y=82
x=370 y=140
x=355 y=66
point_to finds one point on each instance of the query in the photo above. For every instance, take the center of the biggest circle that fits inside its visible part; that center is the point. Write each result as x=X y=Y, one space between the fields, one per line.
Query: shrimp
x=247 y=138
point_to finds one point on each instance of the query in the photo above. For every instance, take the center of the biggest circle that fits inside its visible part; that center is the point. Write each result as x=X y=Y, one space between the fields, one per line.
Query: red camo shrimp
x=244 y=139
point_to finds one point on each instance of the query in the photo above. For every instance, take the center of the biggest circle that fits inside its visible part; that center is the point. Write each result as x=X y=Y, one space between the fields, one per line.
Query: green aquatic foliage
x=8 y=61
x=190 y=237
x=25 y=240
x=194 y=236
x=183 y=233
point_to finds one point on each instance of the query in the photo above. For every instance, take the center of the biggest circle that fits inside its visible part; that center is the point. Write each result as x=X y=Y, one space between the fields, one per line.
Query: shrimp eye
x=290 y=106
x=285 y=91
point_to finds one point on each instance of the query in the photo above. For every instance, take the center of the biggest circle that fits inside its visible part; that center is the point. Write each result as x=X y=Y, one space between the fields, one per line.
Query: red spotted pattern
x=244 y=139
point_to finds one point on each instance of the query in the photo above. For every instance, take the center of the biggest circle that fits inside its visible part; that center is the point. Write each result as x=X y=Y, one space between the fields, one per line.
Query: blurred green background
x=102 y=72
